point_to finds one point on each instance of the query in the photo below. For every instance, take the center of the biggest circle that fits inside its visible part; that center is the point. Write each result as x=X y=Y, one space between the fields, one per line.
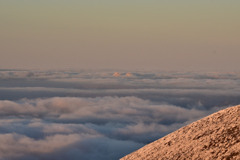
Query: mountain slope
x=116 y=74
x=216 y=136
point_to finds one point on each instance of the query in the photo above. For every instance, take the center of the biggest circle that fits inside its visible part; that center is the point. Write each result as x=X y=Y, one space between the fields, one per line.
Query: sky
x=59 y=100
x=126 y=34
x=92 y=115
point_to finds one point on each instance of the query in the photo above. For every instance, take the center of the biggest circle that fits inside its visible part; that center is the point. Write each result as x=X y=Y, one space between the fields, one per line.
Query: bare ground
x=214 y=137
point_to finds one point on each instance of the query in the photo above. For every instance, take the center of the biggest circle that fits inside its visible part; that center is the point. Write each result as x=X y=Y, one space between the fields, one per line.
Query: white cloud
x=44 y=115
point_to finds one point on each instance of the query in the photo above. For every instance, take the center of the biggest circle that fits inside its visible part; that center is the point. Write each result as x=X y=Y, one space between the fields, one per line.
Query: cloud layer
x=107 y=127
x=92 y=115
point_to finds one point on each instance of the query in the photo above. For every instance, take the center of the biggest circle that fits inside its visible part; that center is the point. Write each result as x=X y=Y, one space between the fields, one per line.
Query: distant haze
x=167 y=35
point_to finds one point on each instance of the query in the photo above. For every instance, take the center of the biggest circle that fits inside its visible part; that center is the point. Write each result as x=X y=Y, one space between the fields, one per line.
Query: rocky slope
x=214 y=137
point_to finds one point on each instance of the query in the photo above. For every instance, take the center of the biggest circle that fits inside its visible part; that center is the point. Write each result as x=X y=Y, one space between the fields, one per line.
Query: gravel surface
x=216 y=136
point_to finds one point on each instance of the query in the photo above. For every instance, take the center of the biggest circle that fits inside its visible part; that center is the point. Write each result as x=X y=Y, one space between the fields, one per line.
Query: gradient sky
x=134 y=34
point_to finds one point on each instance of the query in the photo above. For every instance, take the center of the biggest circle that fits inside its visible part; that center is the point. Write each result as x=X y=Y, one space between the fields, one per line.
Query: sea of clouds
x=89 y=114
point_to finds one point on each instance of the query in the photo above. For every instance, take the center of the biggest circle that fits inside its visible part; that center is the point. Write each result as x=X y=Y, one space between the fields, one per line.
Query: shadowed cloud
x=93 y=115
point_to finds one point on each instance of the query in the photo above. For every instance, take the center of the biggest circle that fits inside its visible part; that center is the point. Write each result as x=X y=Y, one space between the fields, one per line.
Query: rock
x=116 y=74
x=214 y=137
x=128 y=74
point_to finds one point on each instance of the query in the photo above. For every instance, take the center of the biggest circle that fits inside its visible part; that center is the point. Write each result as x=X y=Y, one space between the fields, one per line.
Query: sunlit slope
x=214 y=137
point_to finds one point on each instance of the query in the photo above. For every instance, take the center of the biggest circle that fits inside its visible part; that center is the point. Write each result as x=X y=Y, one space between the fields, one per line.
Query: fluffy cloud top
x=93 y=115
x=108 y=127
